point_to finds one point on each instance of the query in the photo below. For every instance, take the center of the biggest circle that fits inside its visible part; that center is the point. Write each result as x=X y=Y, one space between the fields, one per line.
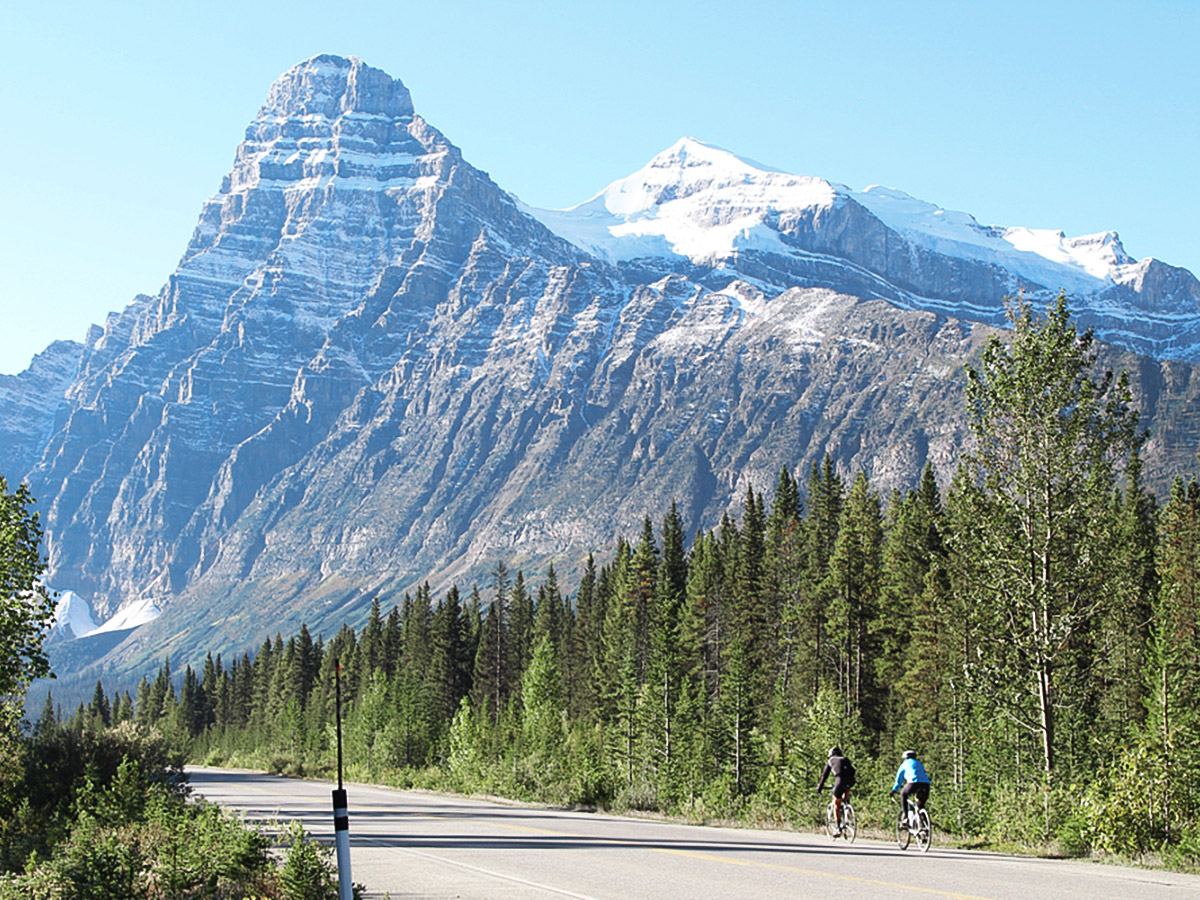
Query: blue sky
x=122 y=118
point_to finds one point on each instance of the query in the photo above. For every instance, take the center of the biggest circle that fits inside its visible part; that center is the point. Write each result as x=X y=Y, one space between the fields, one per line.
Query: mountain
x=696 y=203
x=29 y=402
x=374 y=367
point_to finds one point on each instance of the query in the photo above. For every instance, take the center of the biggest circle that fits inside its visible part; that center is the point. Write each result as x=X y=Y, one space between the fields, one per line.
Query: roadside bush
x=1124 y=808
x=308 y=873
x=56 y=765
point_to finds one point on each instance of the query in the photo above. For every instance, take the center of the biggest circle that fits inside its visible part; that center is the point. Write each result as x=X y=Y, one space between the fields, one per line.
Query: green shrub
x=308 y=873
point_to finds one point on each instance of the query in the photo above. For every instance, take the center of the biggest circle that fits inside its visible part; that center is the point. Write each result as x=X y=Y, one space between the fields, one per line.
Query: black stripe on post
x=341 y=816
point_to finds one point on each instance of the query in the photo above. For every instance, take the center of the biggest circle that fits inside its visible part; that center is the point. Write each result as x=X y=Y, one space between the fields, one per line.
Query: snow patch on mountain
x=136 y=614
x=74 y=617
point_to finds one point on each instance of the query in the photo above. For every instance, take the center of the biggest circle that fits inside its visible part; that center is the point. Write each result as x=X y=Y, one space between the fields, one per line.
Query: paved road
x=411 y=844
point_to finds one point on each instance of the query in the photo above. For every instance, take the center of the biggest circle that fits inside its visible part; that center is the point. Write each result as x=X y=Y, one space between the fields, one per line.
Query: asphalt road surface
x=414 y=844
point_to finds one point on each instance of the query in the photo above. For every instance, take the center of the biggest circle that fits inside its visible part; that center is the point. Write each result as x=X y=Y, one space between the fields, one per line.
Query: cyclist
x=843 y=779
x=911 y=781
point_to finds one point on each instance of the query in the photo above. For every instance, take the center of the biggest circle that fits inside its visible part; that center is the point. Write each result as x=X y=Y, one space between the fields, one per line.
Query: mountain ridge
x=699 y=202
x=374 y=367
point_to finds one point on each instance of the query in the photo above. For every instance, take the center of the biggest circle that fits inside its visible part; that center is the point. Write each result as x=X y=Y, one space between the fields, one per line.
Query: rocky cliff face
x=343 y=225
x=29 y=402
x=373 y=367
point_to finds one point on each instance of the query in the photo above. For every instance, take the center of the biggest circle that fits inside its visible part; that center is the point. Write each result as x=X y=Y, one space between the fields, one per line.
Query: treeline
x=1031 y=631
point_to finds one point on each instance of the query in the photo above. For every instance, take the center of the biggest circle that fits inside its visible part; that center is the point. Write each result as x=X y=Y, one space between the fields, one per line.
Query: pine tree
x=1122 y=646
x=919 y=631
x=392 y=642
x=100 y=711
x=191 y=704
x=586 y=645
x=826 y=496
x=542 y=708
x=413 y=694
x=447 y=671
x=520 y=633
x=48 y=721
x=208 y=690
x=371 y=656
x=853 y=590
x=785 y=581
x=753 y=617
x=123 y=709
x=307 y=664
x=492 y=679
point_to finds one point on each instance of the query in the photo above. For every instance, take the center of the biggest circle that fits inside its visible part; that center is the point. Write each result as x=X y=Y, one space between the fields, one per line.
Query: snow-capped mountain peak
x=700 y=201
x=75 y=618
x=693 y=200
x=701 y=205
x=371 y=367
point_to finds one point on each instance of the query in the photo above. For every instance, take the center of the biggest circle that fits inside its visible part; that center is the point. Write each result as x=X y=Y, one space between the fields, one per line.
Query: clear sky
x=121 y=119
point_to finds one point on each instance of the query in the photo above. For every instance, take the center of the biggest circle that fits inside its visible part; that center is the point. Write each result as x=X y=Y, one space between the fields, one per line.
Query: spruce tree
x=585 y=645
x=100 y=711
x=520 y=633
x=446 y=669
x=852 y=587
x=826 y=495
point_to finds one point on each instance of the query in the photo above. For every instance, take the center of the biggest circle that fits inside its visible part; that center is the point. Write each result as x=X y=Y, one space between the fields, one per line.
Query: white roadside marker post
x=341 y=812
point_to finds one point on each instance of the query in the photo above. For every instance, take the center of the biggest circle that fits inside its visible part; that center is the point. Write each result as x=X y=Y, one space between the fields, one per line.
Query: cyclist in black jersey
x=842 y=770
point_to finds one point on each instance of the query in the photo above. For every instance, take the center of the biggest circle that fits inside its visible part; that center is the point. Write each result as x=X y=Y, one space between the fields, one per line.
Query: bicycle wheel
x=924 y=831
x=831 y=820
x=903 y=835
x=849 y=823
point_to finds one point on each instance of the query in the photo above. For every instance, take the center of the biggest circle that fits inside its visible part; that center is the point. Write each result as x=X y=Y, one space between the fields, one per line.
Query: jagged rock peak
x=331 y=86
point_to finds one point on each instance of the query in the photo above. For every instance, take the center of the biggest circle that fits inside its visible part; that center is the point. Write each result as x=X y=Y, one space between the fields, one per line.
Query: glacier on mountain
x=74 y=618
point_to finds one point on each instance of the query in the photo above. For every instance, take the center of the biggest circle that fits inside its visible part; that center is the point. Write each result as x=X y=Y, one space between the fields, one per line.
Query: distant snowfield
x=698 y=201
x=73 y=617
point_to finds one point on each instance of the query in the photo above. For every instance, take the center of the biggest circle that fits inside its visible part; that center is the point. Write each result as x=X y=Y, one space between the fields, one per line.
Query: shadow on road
x=454 y=813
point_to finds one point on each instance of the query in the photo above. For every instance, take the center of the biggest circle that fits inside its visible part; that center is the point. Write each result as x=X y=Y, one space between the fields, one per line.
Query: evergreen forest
x=1029 y=628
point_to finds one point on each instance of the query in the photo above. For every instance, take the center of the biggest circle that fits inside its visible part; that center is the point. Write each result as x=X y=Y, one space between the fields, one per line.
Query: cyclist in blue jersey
x=911 y=781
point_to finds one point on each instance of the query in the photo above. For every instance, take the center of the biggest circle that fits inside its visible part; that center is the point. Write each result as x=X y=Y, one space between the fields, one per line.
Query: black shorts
x=841 y=787
x=919 y=790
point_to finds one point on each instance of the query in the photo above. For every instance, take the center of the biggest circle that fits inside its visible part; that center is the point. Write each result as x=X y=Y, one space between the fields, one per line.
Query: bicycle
x=849 y=829
x=917 y=825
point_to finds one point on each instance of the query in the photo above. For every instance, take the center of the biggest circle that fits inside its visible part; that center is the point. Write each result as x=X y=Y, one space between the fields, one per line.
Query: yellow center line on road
x=694 y=854
x=891 y=884
x=729 y=860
